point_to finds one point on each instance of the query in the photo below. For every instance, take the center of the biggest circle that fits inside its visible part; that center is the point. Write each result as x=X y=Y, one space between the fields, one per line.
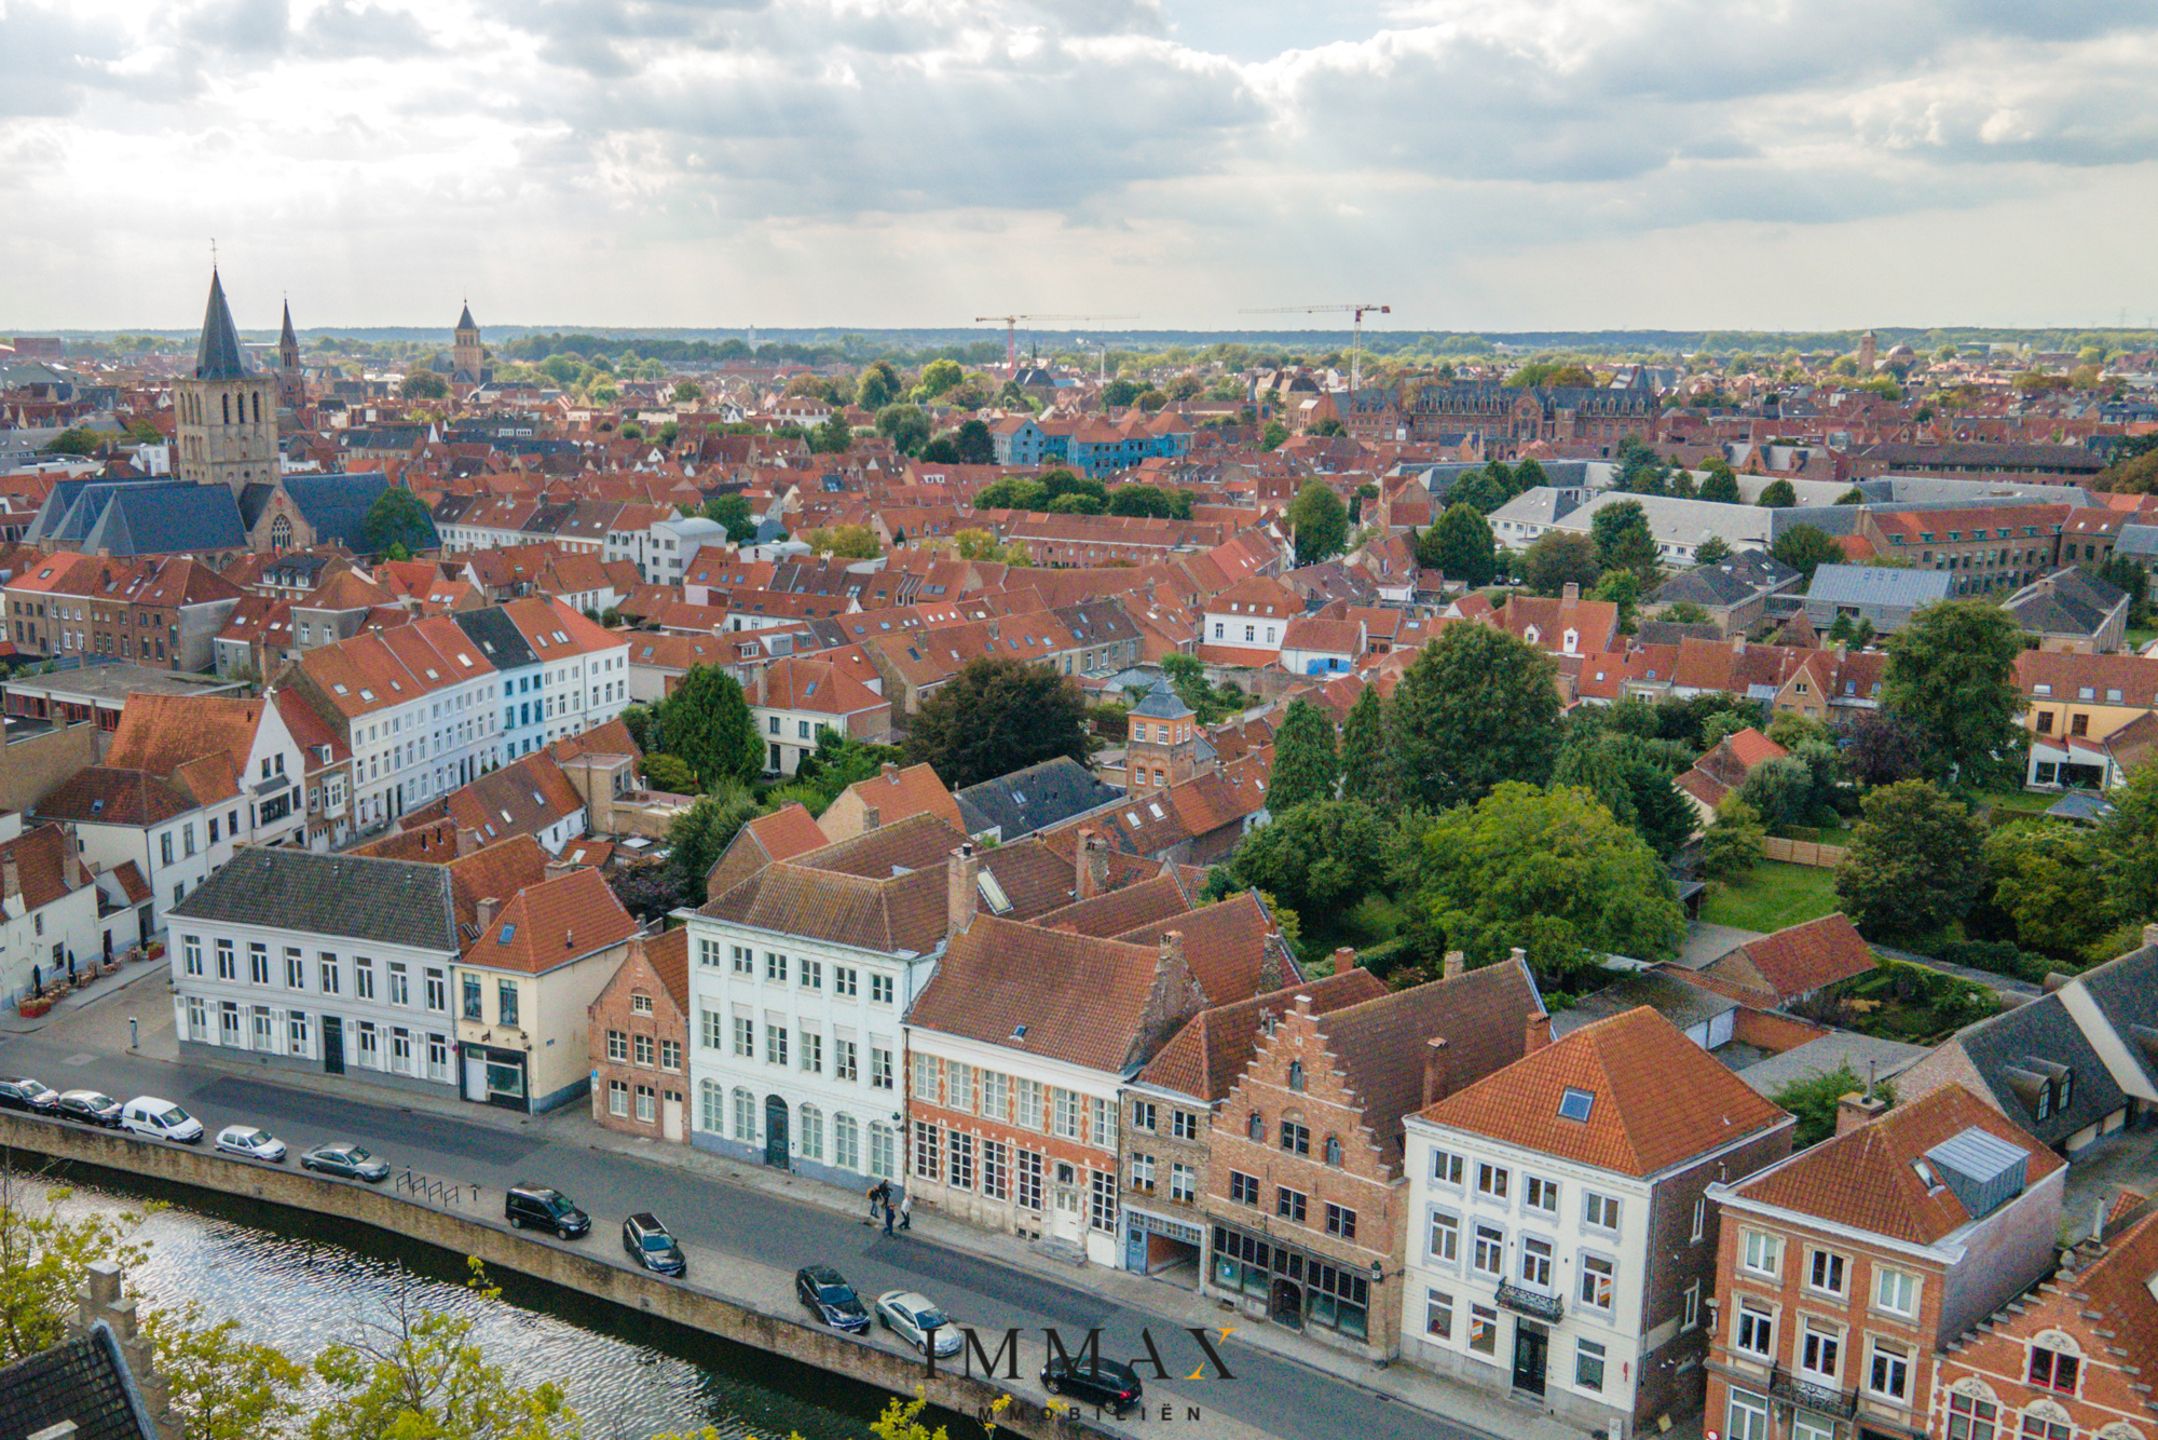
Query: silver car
x=255 y=1144
x=914 y=1316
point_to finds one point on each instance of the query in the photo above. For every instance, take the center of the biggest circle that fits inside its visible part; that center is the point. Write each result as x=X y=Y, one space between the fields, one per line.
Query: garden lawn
x=1772 y=896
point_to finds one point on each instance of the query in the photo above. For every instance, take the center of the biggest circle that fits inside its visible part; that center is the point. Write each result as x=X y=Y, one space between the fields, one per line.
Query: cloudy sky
x=1479 y=164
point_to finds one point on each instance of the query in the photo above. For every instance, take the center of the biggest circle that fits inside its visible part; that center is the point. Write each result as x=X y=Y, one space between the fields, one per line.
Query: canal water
x=301 y=1281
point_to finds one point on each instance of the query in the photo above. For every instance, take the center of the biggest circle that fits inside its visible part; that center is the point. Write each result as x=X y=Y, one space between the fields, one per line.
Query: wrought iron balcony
x=1805 y=1393
x=1533 y=1303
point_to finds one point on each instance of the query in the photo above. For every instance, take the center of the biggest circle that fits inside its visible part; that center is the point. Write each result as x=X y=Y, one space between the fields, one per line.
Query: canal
x=301 y=1280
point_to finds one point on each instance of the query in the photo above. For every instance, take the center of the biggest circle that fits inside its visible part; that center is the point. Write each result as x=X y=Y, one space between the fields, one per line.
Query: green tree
x=1479 y=491
x=1119 y=393
x=1951 y=678
x=831 y=436
x=976 y=445
x=2047 y=881
x=423 y=385
x=1781 y=789
x=1305 y=765
x=1719 y=482
x=906 y=426
x=1907 y=872
x=847 y=542
x=877 y=386
x=1319 y=521
x=45 y=1258
x=670 y=773
x=1558 y=558
x=2127 y=846
x=997 y=715
x=1852 y=496
x=1317 y=859
x=1552 y=872
x=1273 y=435
x=687 y=392
x=1732 y=846
x=1712 y=551
x=1459 y=546
x=698 y=836
x=1327 y=428
x=76 y=440
x=706 y=721
x=1806 y=548
x=939 y=376
x=1367 y=761
x=1476 y=708
x=733 y=512
x=225 y=1386
x=1814 y=1101
x=397 y=518
x=1777 y=495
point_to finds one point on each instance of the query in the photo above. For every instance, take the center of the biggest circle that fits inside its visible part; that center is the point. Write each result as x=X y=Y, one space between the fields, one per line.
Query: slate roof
x=2125 y=990
x=1161 y=703
x=498 y=637
x=1035 y=798
x=219 y=354
x=1656 y=1099
x=2017 y=1050
x=2067 y=602
x=336 y=505
x=82 y=1381
x=1878 y=585
x=1684 y=1005
x=391 y=902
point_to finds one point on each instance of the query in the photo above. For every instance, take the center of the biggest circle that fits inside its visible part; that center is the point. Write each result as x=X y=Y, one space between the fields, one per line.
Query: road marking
x=79 y=1060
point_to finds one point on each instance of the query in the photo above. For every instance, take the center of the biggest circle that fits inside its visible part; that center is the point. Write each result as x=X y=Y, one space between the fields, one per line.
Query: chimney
x=486 y=911
x=891 y=773
x=1093 y=877
x=1435 y=1071
x=1518 y=955
x=71 y=846
x=1854 y=1110
x=2055 y=979
x=468 y=840
x=1455 y=964
x=1571 y=594
x=762 y=683
x=102 y=1303
x=871 y=817
x=1344 y=959
x=1738 y=644
x=962 y=887
x=1536 y=1034
x=10 y=876
x=558 y=867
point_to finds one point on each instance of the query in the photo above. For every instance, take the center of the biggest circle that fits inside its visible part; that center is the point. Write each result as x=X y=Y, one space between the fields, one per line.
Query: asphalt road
x=717 y=1221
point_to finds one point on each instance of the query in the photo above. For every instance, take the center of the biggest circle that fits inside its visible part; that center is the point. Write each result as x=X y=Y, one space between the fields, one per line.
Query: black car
x=1105 y=1383
x=655 y=1248
x=349 y=1161
x=27 y=1094
x=830 y=1298
x=547 y=1208
x=88 y=1107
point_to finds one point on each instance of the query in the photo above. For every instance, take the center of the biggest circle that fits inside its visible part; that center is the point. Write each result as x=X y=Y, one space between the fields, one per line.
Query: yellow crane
x=1011 y=330
x=1356 y=343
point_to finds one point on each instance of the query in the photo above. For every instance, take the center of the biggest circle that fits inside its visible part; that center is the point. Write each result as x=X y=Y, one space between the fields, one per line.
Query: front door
x=1065 y=1221
x=476 y=1076
x=1532 y=1347
x=775 y=1132
x=333 y=1044
x=670 y=1117
x=1285 y=1306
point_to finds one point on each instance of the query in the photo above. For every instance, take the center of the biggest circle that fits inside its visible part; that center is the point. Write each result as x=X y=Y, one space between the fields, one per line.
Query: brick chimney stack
x=1854 y=1110
x=486 y=910
x=872 y=817
x=1437 y=1064
x=963 y=891
x=1093 y=877
x=1455 y=965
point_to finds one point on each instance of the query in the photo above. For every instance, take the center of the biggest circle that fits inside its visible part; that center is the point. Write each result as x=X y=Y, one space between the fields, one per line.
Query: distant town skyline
x=1576 y=164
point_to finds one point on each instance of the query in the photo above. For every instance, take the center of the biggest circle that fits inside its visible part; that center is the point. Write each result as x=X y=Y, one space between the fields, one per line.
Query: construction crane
x=1356 y=344
x=1011 y=330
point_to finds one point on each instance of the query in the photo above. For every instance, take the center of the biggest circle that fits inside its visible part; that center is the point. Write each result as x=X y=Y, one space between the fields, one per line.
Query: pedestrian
x=906 y=1209
x=889 y=1212
x=877 y=1196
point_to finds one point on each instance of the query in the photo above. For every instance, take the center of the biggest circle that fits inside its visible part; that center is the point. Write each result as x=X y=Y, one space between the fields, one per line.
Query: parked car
x=88 y=1107
x=830 y=1298
x=549 y=1209
x=1109 y=1384
x=914 y=1317
x=653 y=1245
x=253 y=1143
x=348 y=1161
x=28 y=1094
x=160 y=1120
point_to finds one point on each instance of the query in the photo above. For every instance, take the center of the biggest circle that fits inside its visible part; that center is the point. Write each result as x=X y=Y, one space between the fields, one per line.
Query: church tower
x=291 y=381
x=227 y=418
x=468 y=358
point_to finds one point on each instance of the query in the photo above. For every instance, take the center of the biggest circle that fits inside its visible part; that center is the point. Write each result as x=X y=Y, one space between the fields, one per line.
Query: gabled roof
x=1799 y=959
x=1205 y=1058
x=83 y=1383
x=393 y=902
x=1033 y=798
x=1654 y=1099
x=561 y=919
x=2018 y=1051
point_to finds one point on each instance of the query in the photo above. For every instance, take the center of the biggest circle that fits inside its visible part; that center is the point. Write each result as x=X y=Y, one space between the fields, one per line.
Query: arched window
x=228 y=407
x=1333 y=1150
x=281 y=533
x=812 y=1136
x=745 y=1117
x=846 y=1142
x=258 y=407
x=1296 y=1075
x=1257 y=1127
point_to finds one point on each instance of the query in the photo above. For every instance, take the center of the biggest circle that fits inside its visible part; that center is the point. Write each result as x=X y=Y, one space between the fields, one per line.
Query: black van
x=1108 y=1384
x=545 y=1208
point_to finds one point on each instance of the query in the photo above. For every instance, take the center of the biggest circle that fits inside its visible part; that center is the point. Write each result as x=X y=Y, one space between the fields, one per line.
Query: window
x=813 y=1052
x=1142 y=1172
x=2041 y=1427
x=1888 y=1374
x=1438 y=1314
x=647 y=1104
x=1600 y=1212
x=1700 y=1218
x=506 y=1001
x=959 y=1151
x=846 y=981
x=1444 y=1241
x=438 y=992
x=400 y=984
x=1142 y=1115
x=775 y=1044
x=744 y=962
x=880 y=989
x=1824 y=1272
x=1183 y=1183
x=191 y=954
x=1064 y=1113
x=1295 y=1138
x=1484 y=1330
x=617 y=1046
x=775 y=966
x=1296 y=1075
x=745 y=1035
x=1820 y=1349
x=745 y=1116
x=1576 y=1104
x=880 y=1068
x=1289 y=1204
x=1747 y=1417
x=643 y=1051
x=925 y=1150
x=1588 y=1365
x=812 y=974
x=1491 y=1180
x=1760 y=1253
x=1754 y=1331
x=2053 y=1370
x=1184 y=1124
x=227 y=969
x=1243 y=1189
x=670 y=1054
x=1971 y=1417
x=1536 y=1262
x=1489 y=1254
x=640 y=1003
x=1101 y=1123
x=1599 y=1278
x=617 y=1099
x=1895 y=1292
x=1537 y=1193
x=844 y=1066
x=295 y=969
x=1691 y=1308
x=1027 y=1195
x=846 y=1142
x=1101 y=1201
x=471 y=988
x=996 y=1092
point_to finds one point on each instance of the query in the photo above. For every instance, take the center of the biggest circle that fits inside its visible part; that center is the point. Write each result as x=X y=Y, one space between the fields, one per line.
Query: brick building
x=1509 y=418
x=1840 y=1272
x=1982 y=548
x=639 y=1035
x=1304 y=1182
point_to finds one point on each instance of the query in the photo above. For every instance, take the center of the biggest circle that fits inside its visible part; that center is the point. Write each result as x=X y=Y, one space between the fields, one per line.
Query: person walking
x=889 y=1210
x=879 y=1194
x=906 y=1210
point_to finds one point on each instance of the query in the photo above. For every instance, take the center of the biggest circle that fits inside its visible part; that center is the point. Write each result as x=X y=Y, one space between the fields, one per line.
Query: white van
x=160 y=1120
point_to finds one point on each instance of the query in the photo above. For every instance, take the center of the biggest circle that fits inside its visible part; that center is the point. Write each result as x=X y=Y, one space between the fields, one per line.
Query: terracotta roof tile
x=551 y=923
x=1210 y=1052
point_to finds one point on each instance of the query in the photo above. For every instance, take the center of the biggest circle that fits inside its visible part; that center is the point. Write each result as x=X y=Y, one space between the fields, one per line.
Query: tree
x=1712 y=551
x=2128 y=846
x=1367 y=761
x=420 y=1376
x=1777 y=495
x=877 y=386
x=1558 y=558
x=706 y=721
x=1814 y=1101
x=848 y=542
x=1328 y=427
x=733 y=512
x=1120 y=392
x=75 y=440
x=1273 y=435
x=1623 y=589
x=1806 y=548
x=687 y=392
x=698 y=836
x=2047 y=881
x=976 y=445
x=423 y=385
x=1879 y=749
x=224 y=1386
x=943 y=450
x=831 y=436
x=1951 y=678
x=670 y=773
x=1305 y=765
x=45 y=1257
x=1477 y=707
x=1907 y=872
x=1852 y=496
x=1317 y=859
x=1478 y=491
x=1780 y=789
x=397 y=518
x=907 y=426
x=1552 y=872
x=997 y=715
x=939 y=376
x=1319 y=521
x=1732 y=845
x=1459 y=546
x=1720 y=483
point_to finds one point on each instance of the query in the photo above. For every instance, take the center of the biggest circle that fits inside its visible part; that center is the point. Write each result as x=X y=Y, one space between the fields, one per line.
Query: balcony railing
x=1826 y=1399
x=1533 y=1303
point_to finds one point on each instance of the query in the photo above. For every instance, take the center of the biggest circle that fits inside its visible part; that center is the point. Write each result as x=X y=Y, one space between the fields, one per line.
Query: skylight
x=1575 y=1104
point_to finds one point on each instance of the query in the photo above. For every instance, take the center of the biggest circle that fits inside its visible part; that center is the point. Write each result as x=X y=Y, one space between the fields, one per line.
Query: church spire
x=285 y=338
x=465 y=320
x=219 y=356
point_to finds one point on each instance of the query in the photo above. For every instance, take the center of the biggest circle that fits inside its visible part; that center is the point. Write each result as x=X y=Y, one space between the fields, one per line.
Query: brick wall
x=617 y=1011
